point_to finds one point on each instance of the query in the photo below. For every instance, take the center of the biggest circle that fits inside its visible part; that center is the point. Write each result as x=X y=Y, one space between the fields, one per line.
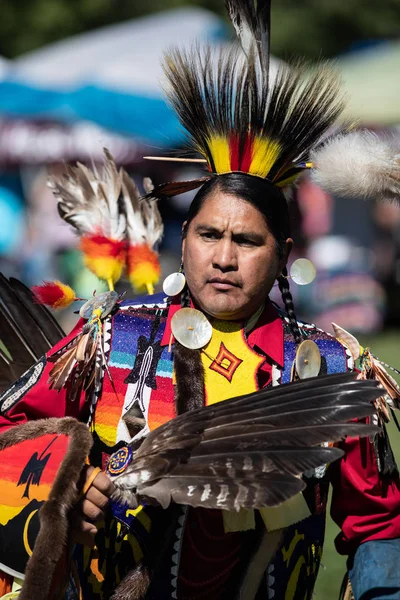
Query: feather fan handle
x=54 y=294
x=358 y=164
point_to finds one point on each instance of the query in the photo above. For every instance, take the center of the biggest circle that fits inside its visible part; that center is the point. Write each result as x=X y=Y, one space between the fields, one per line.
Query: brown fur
x=134 y=586
x=189 y=392
x=52 y=537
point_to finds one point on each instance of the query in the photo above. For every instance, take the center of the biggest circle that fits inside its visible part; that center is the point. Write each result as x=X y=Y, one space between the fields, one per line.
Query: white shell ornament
x=104 y=301
x=191 y=328
x=174 y=284
x=308 y=359
x=302 y=271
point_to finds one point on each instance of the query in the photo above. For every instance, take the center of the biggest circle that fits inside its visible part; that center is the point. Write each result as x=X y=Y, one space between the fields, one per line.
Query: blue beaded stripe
x=330 y=349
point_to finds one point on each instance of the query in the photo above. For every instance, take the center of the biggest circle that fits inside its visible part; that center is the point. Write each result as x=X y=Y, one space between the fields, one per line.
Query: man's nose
x=225 y=257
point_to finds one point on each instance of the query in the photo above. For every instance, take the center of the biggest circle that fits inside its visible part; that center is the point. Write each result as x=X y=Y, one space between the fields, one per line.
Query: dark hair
x=271 y=203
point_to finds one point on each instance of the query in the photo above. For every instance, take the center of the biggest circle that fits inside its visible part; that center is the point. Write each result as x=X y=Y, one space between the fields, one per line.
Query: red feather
x=54 y=294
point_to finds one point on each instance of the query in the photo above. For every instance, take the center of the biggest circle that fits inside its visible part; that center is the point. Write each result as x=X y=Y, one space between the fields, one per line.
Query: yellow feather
x=265 y=154
x=105 y=267
x=144 y=277
x=219 y=149
x=69 y=295
x=288 y=181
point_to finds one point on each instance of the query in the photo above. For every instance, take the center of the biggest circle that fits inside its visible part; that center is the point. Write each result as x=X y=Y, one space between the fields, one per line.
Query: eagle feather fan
x=255 y=460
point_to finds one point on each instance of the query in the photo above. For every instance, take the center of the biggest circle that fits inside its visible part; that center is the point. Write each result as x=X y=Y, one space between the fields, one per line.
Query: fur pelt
x=358 y=164
x=135 y=585
x=53 y=534
x=189 y=392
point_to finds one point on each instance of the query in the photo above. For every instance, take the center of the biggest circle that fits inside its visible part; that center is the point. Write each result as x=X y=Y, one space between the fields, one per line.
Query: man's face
x=230 y=258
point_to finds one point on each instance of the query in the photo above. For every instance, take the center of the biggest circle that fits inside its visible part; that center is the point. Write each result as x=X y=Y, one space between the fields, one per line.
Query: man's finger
x=82 y=532
x=97 y=498
x=102 y=483
x=91 y=511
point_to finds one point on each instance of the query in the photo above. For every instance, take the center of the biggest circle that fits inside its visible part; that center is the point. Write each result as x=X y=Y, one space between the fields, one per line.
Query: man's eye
x=209 y=235
x=245 y=242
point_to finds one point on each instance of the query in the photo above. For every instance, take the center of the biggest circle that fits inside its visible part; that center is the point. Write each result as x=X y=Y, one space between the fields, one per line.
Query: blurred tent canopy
x=110 y=76
x=57 y=101
x=372 y=81
x=38 y=142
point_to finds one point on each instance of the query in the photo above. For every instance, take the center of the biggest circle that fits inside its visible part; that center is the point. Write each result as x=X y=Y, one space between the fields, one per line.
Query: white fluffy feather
x=358 y=164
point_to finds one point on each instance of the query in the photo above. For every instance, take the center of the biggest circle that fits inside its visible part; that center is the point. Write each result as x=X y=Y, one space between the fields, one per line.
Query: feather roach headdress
x=237 y=119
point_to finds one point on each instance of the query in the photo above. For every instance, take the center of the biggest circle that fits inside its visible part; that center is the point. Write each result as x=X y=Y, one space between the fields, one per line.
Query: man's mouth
x=220 y=283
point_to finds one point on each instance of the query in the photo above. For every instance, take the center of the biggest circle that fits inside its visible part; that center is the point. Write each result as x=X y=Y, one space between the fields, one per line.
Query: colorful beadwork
x=119 y=461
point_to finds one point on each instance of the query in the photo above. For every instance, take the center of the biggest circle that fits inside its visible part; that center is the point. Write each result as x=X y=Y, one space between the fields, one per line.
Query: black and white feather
x=143 y=219
x=251 y=20
x=89 y=199
x=250 y=451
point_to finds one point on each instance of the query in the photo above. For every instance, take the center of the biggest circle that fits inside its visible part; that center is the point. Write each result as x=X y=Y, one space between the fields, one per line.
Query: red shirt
x=364 y=506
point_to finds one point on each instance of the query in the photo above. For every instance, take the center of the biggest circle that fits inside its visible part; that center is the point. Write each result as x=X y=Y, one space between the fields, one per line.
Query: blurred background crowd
x=80 y=75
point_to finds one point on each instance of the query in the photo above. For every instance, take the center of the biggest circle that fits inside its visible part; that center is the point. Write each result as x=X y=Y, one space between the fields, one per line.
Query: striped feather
x=257 y=457
x=247 y=491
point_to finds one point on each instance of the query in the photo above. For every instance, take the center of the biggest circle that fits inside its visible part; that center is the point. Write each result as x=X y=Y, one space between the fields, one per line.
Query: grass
x=386 y=346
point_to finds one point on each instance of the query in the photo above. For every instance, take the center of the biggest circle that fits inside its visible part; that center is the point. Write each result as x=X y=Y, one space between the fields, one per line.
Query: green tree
x=312 y=28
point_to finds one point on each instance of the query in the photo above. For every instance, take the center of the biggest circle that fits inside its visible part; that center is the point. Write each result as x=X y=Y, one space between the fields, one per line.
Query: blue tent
x=111 y=76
